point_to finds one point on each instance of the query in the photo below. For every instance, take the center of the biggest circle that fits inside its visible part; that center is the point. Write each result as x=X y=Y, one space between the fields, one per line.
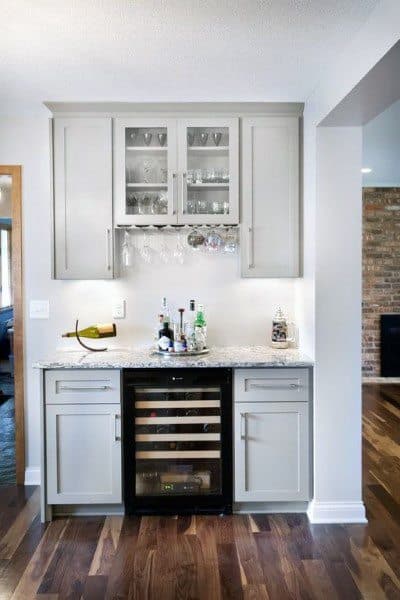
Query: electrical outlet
x=39 y=309
x=118 y=309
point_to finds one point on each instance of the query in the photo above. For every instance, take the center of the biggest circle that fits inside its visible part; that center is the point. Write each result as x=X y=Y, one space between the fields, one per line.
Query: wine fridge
x=177 y=441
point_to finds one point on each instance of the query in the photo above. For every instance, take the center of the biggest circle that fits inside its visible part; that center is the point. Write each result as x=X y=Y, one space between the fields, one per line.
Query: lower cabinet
x=272 y=437
x=83 y=448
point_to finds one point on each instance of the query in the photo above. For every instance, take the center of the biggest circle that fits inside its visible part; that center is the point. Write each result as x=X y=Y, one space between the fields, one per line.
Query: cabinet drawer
x=271 y=385
x=94 y=386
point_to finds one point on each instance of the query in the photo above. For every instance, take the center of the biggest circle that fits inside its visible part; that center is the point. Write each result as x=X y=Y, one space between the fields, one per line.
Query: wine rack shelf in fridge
x=177 y=441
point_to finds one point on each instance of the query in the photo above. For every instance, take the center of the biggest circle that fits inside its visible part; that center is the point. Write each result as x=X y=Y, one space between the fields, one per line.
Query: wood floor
x=248 y=557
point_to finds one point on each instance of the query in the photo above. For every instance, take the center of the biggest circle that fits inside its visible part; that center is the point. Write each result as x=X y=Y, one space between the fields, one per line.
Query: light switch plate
x=39 y=309
x=118 y=309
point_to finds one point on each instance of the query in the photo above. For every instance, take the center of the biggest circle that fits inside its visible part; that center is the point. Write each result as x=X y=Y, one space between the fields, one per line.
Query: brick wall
x=381 y=268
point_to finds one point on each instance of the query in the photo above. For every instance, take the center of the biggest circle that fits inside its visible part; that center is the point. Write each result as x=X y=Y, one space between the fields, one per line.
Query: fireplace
x=390 y=345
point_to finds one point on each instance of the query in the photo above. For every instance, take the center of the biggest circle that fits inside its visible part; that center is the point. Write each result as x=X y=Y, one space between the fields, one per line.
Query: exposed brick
x=381 y=268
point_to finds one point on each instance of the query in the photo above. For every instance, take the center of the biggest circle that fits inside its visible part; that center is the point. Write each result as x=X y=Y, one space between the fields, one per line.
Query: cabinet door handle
x=251 y=248
x=117 y=428
x=242 y=426
x=184 y=192
x=108 y=237
x=66 y=388
x=174 y=178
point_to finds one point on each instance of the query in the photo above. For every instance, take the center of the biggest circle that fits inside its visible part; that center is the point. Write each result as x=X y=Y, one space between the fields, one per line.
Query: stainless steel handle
x=184 y=192
x=108 y=236
x=66 y=388
x=174 y=178
x=273 y=386
x=117 y=428
x=242 y=426
x=251 y=248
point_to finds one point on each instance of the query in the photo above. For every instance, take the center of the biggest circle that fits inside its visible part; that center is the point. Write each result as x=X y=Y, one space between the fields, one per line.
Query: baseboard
x=336 y=512
x=32 y=476
x=381 y=380
x=270 y=507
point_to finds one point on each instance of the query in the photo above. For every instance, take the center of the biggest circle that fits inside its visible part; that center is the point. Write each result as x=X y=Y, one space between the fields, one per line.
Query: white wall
x=239 y=310
x=381 y=149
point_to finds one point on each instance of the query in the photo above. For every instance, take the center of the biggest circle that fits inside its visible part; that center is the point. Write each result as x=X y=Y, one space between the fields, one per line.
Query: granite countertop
x=142 y=358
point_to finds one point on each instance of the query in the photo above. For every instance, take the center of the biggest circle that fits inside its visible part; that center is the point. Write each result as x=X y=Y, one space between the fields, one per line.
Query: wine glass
x=190 y=138
x=213 y=241
x=147 y=138
x=217 y=138
x=203 y=138
x=126 y=250
x=230 y=240
x=145 y=250
x=162 y=138
x=179 y=249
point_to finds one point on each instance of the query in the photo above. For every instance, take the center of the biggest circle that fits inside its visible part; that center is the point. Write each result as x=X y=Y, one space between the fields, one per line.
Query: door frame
x=15 y=171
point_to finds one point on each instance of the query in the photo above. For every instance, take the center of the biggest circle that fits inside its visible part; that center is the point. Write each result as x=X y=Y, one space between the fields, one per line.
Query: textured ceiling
x=163 y=50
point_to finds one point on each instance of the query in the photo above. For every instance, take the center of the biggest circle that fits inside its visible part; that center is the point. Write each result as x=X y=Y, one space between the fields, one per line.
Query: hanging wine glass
x=213 y=241
x=126 y=250
x=145 y=250
x=230 y=240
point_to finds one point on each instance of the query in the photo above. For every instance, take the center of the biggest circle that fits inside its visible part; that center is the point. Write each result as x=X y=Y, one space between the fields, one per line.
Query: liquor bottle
x=165 y=310
x=200 y=329
x=165 y=337
x=190 y=329
x=179 y=338
x=95 y=331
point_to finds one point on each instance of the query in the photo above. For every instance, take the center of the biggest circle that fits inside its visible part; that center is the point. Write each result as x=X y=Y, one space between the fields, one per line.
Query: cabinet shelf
x=155 y=186
x=146 y=148
x=208 y=186
x=211 y=149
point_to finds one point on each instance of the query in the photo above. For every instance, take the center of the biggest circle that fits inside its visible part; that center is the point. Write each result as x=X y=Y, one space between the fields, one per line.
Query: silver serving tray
x=186 y=353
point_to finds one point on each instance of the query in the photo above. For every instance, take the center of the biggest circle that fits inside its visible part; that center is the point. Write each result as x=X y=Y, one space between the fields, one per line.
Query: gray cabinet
x=82 y=181
x=270 y=197
x=272 y=448
x=83 y=437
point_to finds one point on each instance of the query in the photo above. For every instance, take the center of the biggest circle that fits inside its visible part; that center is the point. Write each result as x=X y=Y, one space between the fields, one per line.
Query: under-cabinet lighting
x=366 y=170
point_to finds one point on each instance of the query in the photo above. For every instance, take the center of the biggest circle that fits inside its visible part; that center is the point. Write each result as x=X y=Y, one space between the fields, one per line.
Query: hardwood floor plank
x=229 y=572
x=34 y=572
x=14 y=568
x=121 y=575
x=186 y=574
x=19 y=527
x=165 y=560
x=271 y=565
x=144 y=557
x=95 y=587
x=249 y=563
x=107 y=546
x=67 y=572
x=320 y=581
x=255 y=592
x=208 y=573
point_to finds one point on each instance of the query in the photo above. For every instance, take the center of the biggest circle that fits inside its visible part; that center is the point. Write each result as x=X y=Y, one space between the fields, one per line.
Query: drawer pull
x=273 y=386
x=99 y=388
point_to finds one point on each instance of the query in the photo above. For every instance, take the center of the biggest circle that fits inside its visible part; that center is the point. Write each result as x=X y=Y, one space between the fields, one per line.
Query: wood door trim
x=15 y=171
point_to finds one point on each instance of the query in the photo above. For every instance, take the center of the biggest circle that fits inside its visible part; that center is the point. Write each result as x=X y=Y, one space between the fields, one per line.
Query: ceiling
x=381 y=149
x=175 y=50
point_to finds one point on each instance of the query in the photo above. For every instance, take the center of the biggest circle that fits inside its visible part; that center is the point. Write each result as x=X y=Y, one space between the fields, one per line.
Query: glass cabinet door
x=145 y=171
x=208 y=171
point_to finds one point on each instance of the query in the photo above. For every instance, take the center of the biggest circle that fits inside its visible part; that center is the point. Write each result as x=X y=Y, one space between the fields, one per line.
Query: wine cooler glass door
x=146 y=171
x=208 y=171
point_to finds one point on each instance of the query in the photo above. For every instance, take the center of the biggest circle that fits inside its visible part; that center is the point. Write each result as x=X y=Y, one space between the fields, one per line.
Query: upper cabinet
x=176 y=171
x=270 y=197
x=83 y=234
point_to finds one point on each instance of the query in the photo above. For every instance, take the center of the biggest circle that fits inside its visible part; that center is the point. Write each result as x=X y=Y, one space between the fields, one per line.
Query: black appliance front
x=177 y=441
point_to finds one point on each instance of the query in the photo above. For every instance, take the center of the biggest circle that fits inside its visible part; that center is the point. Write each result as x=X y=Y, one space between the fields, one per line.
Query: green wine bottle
x=95 y=331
